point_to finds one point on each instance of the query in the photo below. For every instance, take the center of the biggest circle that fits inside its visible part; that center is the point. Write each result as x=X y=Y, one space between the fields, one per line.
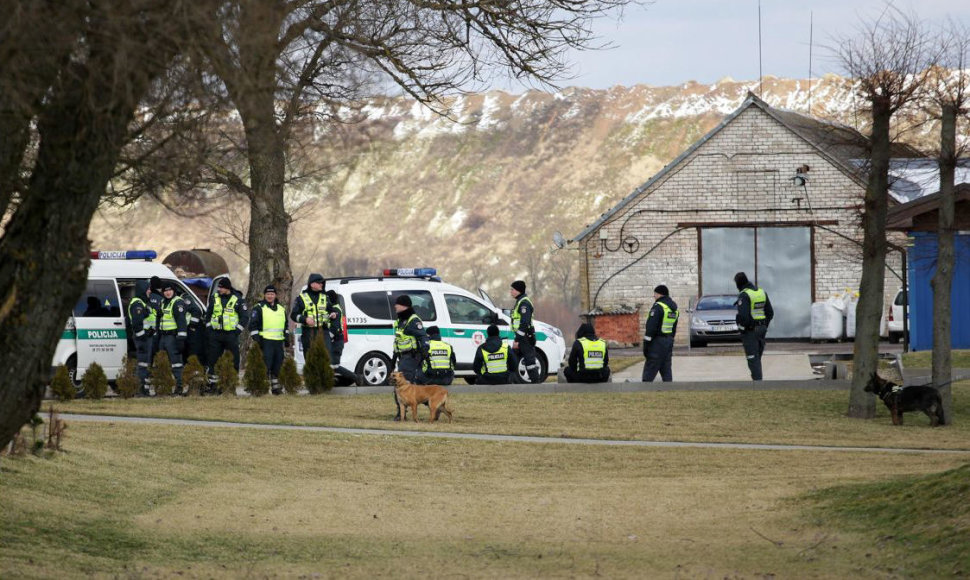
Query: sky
x=673 y=41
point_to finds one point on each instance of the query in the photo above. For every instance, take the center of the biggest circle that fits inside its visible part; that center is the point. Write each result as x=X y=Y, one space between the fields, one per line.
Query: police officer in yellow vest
x=524 y=338
x=268 y=327
x=495 y=362
x=439 y=367
x=314 y=313
x=754 y=315
x=226 y=315
x=410 y=342
x=658 y=338
x=173 y=330
x=142 y=317
x=589 y=359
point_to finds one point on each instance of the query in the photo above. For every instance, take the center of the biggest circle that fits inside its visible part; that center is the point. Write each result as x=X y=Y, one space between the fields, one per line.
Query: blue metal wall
x=922 y=266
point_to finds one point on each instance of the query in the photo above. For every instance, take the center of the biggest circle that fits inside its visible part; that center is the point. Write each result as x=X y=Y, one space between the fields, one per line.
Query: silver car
x=712 y=318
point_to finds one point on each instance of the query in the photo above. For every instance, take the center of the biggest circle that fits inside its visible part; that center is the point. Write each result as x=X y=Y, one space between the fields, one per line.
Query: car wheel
x=72 y=373
x=373 y=369
x=543 y=369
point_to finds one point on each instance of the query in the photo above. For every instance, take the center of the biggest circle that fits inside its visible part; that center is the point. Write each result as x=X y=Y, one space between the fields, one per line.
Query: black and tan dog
x=901 y=400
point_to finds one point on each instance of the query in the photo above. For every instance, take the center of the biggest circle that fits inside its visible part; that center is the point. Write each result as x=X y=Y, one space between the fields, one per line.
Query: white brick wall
x=741 y=174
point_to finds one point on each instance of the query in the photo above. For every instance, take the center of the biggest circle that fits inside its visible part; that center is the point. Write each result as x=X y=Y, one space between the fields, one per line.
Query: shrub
x=255 y=379
x=290 y=380
x=61 y=385
x=194 y=378
x=95 y=382
x=317 y=372
x=127 y=383
x=161 y=374
x=227 y=379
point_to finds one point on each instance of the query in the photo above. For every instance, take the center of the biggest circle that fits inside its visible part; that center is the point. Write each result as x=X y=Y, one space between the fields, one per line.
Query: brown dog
x=411 y=395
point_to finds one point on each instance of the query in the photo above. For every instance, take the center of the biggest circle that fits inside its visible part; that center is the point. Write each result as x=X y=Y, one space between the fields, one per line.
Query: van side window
x=100 y=300
x=421 y=301
x=373 y=304
x=464 y=310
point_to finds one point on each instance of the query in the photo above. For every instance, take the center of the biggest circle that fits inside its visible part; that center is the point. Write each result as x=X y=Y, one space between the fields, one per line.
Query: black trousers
x=410 y=366
x=272 y=356
x=169 y=343
x=336 y=350
x=527 y=353
x=309 y=334
x=494 y=379
x=754 y=346
x=577 y=376
x=196 y=346
x=219 y=342
x=660 y=355
x=143 y=354
x=443 y=378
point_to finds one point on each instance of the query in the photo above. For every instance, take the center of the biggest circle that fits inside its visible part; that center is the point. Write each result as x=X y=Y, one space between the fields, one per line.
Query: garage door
x=781 y=260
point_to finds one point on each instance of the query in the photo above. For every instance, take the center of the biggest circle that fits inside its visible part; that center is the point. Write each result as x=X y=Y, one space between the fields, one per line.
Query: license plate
x=728 y=327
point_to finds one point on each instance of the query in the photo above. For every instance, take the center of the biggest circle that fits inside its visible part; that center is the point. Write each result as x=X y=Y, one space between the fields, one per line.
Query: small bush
x=227 y=379
x=289 y=379
x=161 y=374
x=95 y=382
x=194 y=378
x=317 y=373
x=127 y=383
x=61 y=385
x=255 y=379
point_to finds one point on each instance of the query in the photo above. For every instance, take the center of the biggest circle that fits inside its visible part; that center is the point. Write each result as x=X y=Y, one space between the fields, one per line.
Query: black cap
x=492 y=330
x=519 y=285
x=166 y=285
x=740 y=280
x=332 y=296
x=662 y=290
x=403 y=300
x=269 y=288
x=434 y=332
x=224 y=283
x=314 y=278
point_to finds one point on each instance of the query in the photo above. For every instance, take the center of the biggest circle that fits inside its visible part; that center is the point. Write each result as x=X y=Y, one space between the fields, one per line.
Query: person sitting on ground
x=439 y=367
x=589 y=359
x=495 y=362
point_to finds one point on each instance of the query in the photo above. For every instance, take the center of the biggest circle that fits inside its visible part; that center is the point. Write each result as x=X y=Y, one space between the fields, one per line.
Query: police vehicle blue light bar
x=410 y=272
x=123 y=255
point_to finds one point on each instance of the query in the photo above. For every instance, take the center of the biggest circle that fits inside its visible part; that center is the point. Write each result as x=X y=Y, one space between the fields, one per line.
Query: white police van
x=98 y=330
x=463 y=318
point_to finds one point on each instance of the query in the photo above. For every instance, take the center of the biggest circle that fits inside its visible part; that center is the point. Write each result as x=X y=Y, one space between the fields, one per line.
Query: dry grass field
x=148 y=501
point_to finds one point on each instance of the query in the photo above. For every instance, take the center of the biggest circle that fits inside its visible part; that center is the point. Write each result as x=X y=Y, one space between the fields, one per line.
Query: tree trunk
x=943 y=278
x=862 y=405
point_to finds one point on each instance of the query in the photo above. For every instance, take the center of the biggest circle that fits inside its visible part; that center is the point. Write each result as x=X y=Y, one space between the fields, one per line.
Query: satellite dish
x=558 y=240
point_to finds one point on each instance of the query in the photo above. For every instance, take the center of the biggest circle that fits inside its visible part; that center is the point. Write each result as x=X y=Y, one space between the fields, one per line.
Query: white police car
x=462 y=317
x=98 y=330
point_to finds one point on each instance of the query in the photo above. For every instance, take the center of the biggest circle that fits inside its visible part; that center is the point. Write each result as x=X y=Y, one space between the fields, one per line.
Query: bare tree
x=889 y=60
x=82 y=102
x=949 y=101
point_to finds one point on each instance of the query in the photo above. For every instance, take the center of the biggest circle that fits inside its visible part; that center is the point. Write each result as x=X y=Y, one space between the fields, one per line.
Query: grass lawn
x=798 y=417
x=924 y=359
x=163 y=501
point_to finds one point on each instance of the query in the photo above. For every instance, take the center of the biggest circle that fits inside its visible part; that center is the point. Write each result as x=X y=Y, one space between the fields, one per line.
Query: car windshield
x=716 y=303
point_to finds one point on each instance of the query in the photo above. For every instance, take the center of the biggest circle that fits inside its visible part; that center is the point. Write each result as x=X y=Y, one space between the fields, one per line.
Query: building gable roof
x=901 y=217
x=838 y=143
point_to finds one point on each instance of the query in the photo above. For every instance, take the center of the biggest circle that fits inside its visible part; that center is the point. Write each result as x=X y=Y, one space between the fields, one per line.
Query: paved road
x=513 y=438
x=690 y=368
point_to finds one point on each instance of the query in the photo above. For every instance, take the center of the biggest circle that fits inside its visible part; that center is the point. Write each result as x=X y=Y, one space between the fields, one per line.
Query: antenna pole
x=761 y=91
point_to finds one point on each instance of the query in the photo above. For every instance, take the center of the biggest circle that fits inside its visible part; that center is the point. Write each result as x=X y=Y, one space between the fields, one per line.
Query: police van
x=463 y=318
x=98 y=330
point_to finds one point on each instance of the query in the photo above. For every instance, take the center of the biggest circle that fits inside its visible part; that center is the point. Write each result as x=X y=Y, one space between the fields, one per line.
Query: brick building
x=768 y=191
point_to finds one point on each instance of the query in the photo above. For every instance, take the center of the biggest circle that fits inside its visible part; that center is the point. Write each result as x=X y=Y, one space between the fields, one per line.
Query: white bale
x=826 y=321
x=850 y=319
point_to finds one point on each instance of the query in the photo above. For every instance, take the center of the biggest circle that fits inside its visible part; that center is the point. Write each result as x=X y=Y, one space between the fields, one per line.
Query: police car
x=97 y=330
x=463 y=318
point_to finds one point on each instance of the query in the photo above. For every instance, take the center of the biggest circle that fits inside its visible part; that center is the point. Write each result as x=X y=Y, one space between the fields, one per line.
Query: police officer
x=313 y=312
x=495 y=363
x=195 y=345
x=658 y=339
x=143 y=319
x=439 y=367
x=268 y=327
x=336 y=329
x=589 y=359
x=754 y=315
x=410 y=342
x=524 y=339
x=172 y=330
x=226 y=315
x=155 y=303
